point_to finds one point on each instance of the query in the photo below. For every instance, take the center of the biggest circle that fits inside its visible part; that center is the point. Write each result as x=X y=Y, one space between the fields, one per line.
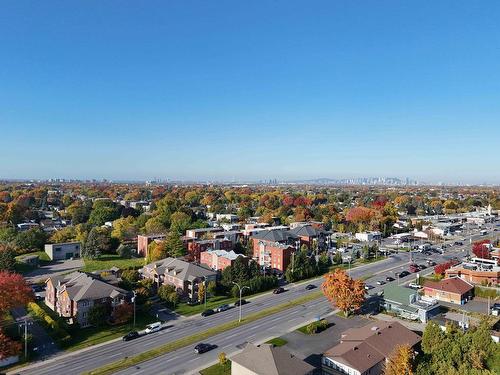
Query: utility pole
x=133 y=300
x=205 y=291
x=25 y=338
x=241 y=293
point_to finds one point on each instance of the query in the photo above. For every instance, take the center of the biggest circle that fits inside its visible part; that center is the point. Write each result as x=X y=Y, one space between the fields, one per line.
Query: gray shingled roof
x=275 y=235
x=81 y=286
x=306 y=231
x=269 y=360
x=180 y=269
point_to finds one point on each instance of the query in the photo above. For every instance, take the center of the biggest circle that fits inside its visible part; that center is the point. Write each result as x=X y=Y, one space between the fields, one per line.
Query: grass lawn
x=278 y=341
x=85 y=337
x=212 y=303
x=217 y=369
x=105 y=262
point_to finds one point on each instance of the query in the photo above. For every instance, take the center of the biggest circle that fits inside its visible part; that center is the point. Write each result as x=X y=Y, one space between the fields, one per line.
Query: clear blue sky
x=250 y=89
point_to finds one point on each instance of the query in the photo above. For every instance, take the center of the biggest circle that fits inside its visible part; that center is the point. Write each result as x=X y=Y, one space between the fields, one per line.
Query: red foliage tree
x=379 y=202
x=122 y=313
x=481 y=250
x=288 y=201
x=440 y=269
x=13 y=291
x=360 y=214
x=8 y=347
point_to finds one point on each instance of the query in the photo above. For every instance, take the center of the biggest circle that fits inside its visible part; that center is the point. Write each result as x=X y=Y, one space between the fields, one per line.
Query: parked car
x=208 y=312
x=243 y=302
x=310 y=286
x=37 y=288
x=414 y=286
x=278 y=290
x=153 y=327
x=130 y=336
x=458 y=243
x=413 y=268
x=389 y=279
x=203 y=348
x=422 y=266
x=431 y=263
x=403 y=274
x=381 y=282
x=222 y=308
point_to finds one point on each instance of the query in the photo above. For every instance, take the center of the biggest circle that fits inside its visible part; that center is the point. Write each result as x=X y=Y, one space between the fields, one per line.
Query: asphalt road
x=185 y=361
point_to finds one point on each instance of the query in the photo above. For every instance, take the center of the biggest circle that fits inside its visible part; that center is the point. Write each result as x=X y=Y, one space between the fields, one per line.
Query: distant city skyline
x=225 y=90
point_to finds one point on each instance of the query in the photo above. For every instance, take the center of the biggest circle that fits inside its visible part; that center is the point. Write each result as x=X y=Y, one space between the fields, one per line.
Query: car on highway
x=389 y=279
x=403 y=274
x=222 y=308
x=153 y=327
x=458 y=243
x=310 y=286
x=278 y=290
x=413 y=268
x=380 y=282
x=243 y=302
x=368 y=287
x=422 y=267
x=203 y=348
x=208 y=312
x=431 y=263
x=130 y=336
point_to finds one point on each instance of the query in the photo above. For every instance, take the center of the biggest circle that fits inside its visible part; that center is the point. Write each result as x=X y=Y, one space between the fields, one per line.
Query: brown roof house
x=73 y=295
x=267 y=359
x=363 y=351
x=454 y=290
x=185 y=276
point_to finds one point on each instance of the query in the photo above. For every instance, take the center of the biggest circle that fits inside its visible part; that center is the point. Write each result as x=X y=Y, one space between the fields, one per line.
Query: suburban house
x=219 y=259
x=63 y=251
x=185 y=276
x=454 y=290
x=408 y=304
x=363 y=351
x=143 y=242
x=267 y=359
x=73 y=295
x=273 y=248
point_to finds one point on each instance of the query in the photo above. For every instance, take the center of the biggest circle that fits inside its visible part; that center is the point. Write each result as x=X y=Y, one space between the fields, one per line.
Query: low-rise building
x=364 y=351
x=267 y=359
x=368 y=236
x=203 y=232
x=408 y=304
x=476 y=273
x=453 y=290
x=73 y=295
x=143 y=242
x=63 y=251
x=273 y=248
x=219 y=259
x=185 y=276
x=196 y=247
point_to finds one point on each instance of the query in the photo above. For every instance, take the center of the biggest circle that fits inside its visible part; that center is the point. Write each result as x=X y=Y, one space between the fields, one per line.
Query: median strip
x=171 y=346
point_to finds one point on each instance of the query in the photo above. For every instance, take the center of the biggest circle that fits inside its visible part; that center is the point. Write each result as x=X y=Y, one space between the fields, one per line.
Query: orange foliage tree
x=343 y=292
x=400 y=362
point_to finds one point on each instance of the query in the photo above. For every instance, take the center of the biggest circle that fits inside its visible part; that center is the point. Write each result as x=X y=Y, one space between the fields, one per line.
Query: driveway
x=54 y=268
x=479 y=305
x=42 y=344
x=311 y=347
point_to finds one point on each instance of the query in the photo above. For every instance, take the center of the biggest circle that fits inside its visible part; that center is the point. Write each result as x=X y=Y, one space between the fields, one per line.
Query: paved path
x=54 y=268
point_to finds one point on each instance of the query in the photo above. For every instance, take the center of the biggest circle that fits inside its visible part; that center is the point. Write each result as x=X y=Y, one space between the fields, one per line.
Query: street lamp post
x=241 y=292
x=133 y=300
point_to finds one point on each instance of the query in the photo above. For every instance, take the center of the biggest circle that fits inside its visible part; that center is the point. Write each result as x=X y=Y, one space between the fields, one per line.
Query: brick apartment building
x=143 y=242
x=196 y=247
x=219 y=259
x=273 y=248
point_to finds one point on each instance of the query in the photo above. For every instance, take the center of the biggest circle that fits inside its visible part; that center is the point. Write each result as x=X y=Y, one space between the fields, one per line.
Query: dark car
x=388 y=278
x=458 y=243
x=203 y=348
x=243 y=302
x=310 y=286
x=422 y=266
x=37 y=288
x=431 y=263
x=130 y=336
x=403 y=274
x=208 y=312
x=278 y=290
x=380 y=282
x=413 y=268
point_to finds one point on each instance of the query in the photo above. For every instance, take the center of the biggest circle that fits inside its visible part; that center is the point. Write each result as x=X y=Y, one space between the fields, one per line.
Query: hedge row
x=59 y=334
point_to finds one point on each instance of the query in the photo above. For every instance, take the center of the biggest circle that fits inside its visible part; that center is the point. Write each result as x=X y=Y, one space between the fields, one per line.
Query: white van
x=153 y=327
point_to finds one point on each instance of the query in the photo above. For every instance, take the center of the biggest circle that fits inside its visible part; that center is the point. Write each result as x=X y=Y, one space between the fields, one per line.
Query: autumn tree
x=7 y=257
x=343 y=292
x=201 y=291
x=122 y=313
x=481 y=249
x=8 y=347
x=14 y=291
x=400 y=361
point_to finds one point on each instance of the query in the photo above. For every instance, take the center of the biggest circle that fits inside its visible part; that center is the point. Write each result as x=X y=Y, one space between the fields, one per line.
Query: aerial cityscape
x=249 y=188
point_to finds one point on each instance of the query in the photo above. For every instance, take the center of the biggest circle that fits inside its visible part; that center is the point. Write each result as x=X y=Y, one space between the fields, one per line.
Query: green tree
x=174 y=245
x=97 y=315
x=103 y=211
x=212 y=288
x=124 y=251
x=30 y=240
x=179 y=222
x=98 y=242
x=7 y=257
